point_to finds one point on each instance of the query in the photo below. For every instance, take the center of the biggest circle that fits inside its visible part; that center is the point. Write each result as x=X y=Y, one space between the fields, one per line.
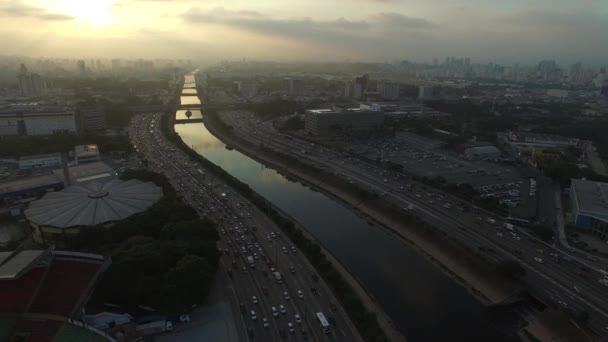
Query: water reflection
x=181 y=114
x=425 y=304
x=190 y=100
x=188 y=91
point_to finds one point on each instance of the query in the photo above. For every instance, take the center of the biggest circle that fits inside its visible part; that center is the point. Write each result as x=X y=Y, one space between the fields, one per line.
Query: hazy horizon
x=358 y=30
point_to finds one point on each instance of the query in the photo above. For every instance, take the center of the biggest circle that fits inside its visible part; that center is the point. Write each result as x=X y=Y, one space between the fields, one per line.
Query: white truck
x=509 y=227
x=251 y=262
x=277 y=276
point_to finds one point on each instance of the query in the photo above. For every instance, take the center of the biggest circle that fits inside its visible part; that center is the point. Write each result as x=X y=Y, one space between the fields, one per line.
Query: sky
x=507 y=31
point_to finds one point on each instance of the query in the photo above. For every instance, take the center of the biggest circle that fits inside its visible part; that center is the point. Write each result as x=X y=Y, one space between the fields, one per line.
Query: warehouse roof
x=93 y=203
x=591 y=198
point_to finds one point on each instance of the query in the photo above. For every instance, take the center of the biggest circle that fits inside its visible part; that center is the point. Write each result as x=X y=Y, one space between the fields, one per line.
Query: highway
x=553 y=275
x=246 y=232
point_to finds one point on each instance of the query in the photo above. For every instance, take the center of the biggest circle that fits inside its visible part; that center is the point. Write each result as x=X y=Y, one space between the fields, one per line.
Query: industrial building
x=40 y=161
x=86 y=154
x=327 y=121
x=60 y=214
x=25 y=120
x=589 y=204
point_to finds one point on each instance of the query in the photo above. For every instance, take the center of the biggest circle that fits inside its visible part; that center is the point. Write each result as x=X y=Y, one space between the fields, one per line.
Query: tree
x=187 y=282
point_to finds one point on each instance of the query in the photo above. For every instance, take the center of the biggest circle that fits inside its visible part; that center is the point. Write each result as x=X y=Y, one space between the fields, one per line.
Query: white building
x=425 y=92
x=40 y=161
x=86 y=154
x=40 y=122
x=389 y=90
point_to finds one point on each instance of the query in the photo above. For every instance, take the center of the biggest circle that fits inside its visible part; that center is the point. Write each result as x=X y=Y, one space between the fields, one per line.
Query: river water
x=424 y=303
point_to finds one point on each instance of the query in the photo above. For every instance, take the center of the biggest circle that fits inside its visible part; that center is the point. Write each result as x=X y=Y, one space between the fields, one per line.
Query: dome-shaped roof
x=93 y=203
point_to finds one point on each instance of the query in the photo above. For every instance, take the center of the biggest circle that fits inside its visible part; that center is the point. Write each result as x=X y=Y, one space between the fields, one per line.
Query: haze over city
x=328 y=171
x=360 y=30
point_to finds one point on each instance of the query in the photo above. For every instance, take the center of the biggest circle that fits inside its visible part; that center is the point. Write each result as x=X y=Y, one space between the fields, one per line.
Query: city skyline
x=367 y=30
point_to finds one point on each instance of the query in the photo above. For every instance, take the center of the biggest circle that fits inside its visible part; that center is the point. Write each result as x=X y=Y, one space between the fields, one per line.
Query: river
x=424 y=303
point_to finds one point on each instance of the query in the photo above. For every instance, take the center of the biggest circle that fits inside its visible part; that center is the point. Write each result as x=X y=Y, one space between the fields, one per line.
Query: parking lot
x=422 y=156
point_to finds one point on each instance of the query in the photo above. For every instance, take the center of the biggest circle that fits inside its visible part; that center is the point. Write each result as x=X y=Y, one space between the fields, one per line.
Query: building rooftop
x=12 y=265
x=41 y=156
x=27 y=184
x=93 y=203
x=86 y=150
x=591 y=198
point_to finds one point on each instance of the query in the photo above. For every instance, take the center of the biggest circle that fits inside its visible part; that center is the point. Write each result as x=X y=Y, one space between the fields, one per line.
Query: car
x=292 y=270
x=290 y=327
x=300 y=294
x=254 y=299
x=275 y=313
x=253 y=315
x=298 y=319
x=500 y=234
x=539 y=260
x=265 y=322
x=293 y=248
x=286 y=295
x=282 y=309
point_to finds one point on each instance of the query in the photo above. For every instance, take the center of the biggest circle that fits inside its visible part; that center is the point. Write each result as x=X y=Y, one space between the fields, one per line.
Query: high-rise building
x=292 y=85
x=30 y=83
x=388 y=90
x=80 y=66
x=348 y=88
x=91 y=119
x=425 y=92
x=38 y=84
x=115 y=64
x=359 y=87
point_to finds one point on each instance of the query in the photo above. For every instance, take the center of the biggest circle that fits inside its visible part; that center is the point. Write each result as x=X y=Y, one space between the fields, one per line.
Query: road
x=246 y=232
x=555 y=276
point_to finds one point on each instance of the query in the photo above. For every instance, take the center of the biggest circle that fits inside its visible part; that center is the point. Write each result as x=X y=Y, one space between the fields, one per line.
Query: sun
x=95 y=13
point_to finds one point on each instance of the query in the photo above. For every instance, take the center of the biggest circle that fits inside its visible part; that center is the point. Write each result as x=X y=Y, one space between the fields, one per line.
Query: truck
x=251 y=262
x=153 y=328
x=509 y=227
x=277 y=276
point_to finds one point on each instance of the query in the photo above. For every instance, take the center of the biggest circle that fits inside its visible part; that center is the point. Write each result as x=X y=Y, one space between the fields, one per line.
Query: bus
x=323 y=321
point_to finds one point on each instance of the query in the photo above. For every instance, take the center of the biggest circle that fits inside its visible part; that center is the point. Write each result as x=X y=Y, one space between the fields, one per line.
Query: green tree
x=187 y=283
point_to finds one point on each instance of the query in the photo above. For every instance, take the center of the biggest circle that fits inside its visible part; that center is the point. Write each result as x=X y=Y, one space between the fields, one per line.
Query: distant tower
x=80 y=66
x=25 y=82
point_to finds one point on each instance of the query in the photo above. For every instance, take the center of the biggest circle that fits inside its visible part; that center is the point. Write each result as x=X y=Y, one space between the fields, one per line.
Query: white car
x=300 y=294
x=290 y=327
x=254 y=299
x=298 y=319
x=275 y=313
x=499 y=234
x=265 y=322
x=282 y=309
x=538 y=260
x=253 y=315
x=286 y=295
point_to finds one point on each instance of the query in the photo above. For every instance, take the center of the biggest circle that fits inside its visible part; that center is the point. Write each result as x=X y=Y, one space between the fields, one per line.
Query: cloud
x=304 y=27
x=19 y=9
x=396 y=20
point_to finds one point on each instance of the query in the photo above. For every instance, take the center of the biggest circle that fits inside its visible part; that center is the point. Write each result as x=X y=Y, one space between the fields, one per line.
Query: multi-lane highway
x=270 y=310
x=553 y=275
